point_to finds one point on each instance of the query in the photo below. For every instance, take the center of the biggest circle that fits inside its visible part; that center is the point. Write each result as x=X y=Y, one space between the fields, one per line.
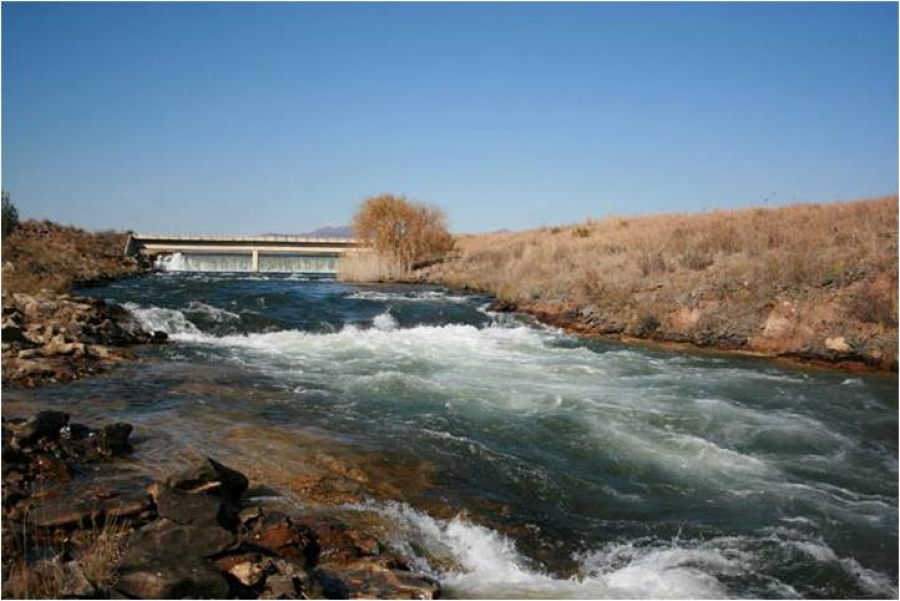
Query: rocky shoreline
x=198 y=533
x=55 y=338
x=832 y=353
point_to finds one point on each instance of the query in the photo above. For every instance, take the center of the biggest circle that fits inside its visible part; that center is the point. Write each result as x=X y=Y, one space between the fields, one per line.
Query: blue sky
x=250 y=118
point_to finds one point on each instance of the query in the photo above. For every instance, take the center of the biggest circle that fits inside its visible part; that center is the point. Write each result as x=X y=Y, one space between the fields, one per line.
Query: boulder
x=163 y=541
x=186 y=508
x=113 y=438
x=248 y=573
x=43 y=425
x=210 y=476
x=374 y=581
x=338 y=542
x=280 y=535
x=13 y=333
x=195 y=580
x=838 y=345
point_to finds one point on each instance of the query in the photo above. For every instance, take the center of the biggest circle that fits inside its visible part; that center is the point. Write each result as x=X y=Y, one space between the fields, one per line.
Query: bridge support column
x=254 y=261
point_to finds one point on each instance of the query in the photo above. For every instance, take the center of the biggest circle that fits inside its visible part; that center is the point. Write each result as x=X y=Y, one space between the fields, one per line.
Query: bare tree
x=407 y=232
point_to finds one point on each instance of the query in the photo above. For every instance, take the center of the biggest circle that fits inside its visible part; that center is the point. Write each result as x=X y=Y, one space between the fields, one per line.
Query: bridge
x=251 y=254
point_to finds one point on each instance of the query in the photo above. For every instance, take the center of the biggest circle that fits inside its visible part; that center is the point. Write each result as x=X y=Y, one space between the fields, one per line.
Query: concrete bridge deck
x=254 y=247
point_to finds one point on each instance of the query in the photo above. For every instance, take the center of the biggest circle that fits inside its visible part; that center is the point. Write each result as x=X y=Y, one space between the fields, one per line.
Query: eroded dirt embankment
x=812 y=283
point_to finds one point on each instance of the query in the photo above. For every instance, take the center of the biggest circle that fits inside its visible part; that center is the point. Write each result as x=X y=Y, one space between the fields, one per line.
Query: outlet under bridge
x=244 y=254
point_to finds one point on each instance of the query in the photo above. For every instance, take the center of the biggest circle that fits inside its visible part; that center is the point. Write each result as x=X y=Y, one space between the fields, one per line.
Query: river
x=536 y=463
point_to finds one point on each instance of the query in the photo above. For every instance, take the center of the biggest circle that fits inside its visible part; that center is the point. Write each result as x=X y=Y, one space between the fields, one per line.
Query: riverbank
x=48 y=334
x=809 y=283
x=201 y=532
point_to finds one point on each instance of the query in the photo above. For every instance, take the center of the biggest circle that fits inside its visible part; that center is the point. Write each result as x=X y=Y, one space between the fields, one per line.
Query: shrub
x=581 y=231
x=10 y=216
x=403 y=231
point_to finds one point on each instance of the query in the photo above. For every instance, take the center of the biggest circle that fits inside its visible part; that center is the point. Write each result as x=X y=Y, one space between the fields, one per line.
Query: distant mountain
x=332 y=231
x=328 y=231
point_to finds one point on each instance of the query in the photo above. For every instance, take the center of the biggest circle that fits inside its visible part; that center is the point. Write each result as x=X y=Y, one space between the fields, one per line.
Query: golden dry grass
x=43 y=255
x=368 y=267
x=841 y=255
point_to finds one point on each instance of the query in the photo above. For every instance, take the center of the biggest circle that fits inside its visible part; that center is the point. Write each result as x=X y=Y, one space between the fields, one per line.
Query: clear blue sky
x=250 y=118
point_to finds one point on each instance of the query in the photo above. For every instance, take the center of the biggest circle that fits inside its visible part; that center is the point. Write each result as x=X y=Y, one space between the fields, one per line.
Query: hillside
x=812 y=281
x=44 y=255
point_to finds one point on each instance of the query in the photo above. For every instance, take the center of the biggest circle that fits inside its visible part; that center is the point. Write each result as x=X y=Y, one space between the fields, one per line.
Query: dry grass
x=43 y=255
x=95 y=550
x=801 y=245
x=369 y=267
x=743 y=260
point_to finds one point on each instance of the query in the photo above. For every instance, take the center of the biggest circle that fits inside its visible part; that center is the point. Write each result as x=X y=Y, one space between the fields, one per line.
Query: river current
x=538 y=463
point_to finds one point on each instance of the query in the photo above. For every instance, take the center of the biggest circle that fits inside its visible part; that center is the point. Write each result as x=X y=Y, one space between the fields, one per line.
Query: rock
x=163 y=541
x=281 y=587
x=276 y=533
x=119 y=509
x=58 y=346
x=502 y=306
x=248 y=573
x=208 y=475
x=373 y=581
x=645 y=327
x=64 y=513
x=195 y=580
x=13 y=333
x=46 y=424
x=186 y=508
x=71 y=333
x=113 y=439
x=838 y=345
x=75 y=583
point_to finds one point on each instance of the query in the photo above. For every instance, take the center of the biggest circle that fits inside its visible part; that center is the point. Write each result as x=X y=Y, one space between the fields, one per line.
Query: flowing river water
x=529 y=462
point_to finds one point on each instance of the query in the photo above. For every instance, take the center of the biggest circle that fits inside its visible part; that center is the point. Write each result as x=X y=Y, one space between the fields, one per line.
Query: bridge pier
x=254 y=261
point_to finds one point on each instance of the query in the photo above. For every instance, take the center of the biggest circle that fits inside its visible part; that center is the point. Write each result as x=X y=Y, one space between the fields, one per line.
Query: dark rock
x=165 y=542
x=195 y=580
x=502 y=306
x=46 y=424
x=186 y=508
x=65 y=513
x=211 y=477
x=113 y=438
x=332 y=586
x=13 y=334
x=131 y=508
x=645 y=327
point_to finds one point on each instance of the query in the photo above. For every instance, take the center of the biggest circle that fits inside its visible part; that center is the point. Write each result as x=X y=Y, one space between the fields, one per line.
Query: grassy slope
x=778 y=281
x=41 y=254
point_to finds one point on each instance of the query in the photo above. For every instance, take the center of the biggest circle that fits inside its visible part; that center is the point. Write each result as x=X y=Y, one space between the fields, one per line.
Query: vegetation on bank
x=43 y=255
x=10 y=215
x=803 y=279
x=402 y=235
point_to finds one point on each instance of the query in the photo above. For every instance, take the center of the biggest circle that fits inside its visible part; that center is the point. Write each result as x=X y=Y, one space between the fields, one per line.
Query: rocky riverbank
x=200 y=533
x=49 y=337
x=783 y=335
x=48 y=334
